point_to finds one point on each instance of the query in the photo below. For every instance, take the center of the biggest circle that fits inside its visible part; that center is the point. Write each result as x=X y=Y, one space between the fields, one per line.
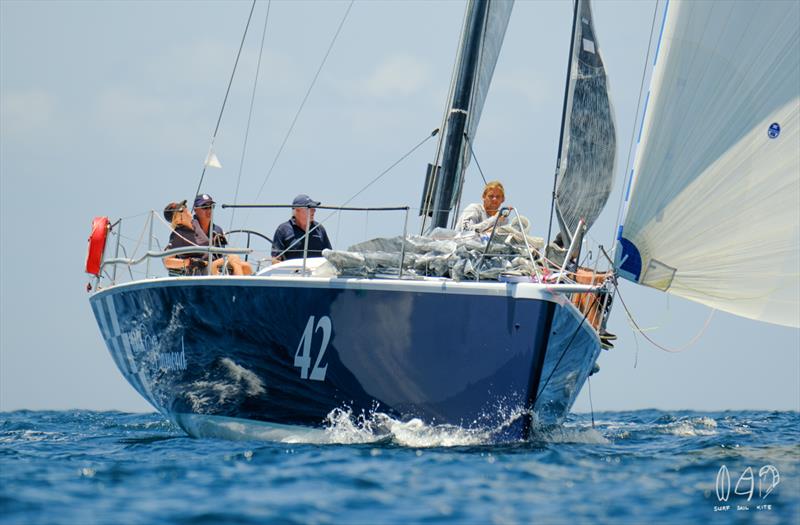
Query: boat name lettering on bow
x=142 y=342
x=302 y=357
x=145 y=343
x=172 y=361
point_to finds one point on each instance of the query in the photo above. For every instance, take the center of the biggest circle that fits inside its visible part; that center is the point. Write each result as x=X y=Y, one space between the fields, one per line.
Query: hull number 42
x=302 y=357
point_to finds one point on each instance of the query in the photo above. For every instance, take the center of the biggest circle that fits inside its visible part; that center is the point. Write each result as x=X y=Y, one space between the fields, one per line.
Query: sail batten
x=714 y=210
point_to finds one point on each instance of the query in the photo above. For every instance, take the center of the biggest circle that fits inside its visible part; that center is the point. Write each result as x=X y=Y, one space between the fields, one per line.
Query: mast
x=452 y=167
x=481 y=40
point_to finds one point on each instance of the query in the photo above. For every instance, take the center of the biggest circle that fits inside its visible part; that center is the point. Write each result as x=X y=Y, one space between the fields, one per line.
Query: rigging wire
x=615 y=231
x=591 y=405
x=136 y=216
x=651 y=341
x=373 y=181
x=338 y=229
x=563 y=118
x=227 y=92
x=384 y=172
x=379 y=176
x=376 y=179
x=305 y=99
x=475 y=158
x=643 y=331
x=250 y=114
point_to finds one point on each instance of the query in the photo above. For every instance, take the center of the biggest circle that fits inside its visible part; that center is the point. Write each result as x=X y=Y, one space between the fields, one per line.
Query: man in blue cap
x=288 y=241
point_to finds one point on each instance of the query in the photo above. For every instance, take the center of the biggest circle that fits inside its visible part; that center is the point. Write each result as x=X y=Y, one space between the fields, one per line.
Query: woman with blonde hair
x=180 y=220
x=481 y=216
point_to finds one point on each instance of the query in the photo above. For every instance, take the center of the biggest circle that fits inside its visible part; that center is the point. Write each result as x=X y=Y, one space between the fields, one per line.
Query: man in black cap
x=201 y=223
x=288 y=241
x=203 y=206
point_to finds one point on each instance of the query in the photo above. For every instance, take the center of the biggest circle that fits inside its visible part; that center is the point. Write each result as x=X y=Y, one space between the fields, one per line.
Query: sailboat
x=412 y=344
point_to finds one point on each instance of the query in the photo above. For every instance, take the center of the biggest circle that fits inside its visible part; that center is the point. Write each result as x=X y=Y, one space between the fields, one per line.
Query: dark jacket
x=181 y=238
x=201 y=238
x=290 y=234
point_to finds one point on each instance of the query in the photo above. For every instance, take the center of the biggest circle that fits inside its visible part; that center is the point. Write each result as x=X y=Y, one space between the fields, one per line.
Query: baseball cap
x=203 y=201
x=304 y=200
x=172 y=208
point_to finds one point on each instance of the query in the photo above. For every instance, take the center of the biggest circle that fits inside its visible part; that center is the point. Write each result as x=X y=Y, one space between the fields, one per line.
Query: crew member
x=289 y=239
x=481 y=216
x=203 y=210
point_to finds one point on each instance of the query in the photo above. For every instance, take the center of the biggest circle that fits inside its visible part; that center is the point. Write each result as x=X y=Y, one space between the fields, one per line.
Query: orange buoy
x=97 y=244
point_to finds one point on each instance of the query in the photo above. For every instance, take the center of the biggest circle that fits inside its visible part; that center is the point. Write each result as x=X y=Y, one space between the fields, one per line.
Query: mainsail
x=714 y=196
x=481 y=40
x=587 y=148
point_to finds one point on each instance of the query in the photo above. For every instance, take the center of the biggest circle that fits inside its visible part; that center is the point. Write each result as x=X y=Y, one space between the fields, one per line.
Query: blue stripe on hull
x=290 y=355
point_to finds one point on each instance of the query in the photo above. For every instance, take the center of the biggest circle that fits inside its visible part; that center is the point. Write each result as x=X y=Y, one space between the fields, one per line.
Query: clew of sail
x=485 y=28
x=714 y=198
x=587 y=151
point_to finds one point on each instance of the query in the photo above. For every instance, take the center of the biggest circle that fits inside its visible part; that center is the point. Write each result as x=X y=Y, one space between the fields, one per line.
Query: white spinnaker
x=714 y=209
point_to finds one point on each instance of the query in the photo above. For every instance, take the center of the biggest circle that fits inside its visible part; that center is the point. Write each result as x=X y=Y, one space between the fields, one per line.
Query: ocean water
x=630 y=467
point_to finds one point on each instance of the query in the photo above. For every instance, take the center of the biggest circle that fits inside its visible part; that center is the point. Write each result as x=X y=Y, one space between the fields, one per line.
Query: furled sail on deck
x=481 y=40
x=585 y=171
x=714 y=197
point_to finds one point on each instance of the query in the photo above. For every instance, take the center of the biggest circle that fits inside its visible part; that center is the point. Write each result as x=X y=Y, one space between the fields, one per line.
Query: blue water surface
x=632 y=467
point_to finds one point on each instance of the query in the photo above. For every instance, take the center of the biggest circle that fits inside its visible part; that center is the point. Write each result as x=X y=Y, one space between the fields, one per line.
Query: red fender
x=97 y=244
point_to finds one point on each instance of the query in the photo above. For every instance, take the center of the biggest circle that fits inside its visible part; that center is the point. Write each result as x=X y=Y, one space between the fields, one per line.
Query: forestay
x=714 y=194
x=586 y=164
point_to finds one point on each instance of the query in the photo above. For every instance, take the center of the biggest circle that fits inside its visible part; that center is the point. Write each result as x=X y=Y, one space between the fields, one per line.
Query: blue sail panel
x=628 y=260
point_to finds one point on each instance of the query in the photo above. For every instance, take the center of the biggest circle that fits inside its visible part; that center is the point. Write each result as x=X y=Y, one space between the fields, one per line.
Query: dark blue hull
x=289 y=351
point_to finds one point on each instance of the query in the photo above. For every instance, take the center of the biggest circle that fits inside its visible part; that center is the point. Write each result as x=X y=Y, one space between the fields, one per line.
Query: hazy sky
x=107 y=108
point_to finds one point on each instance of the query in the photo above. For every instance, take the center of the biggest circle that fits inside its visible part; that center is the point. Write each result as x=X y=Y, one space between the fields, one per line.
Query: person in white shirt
x=480 y=217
